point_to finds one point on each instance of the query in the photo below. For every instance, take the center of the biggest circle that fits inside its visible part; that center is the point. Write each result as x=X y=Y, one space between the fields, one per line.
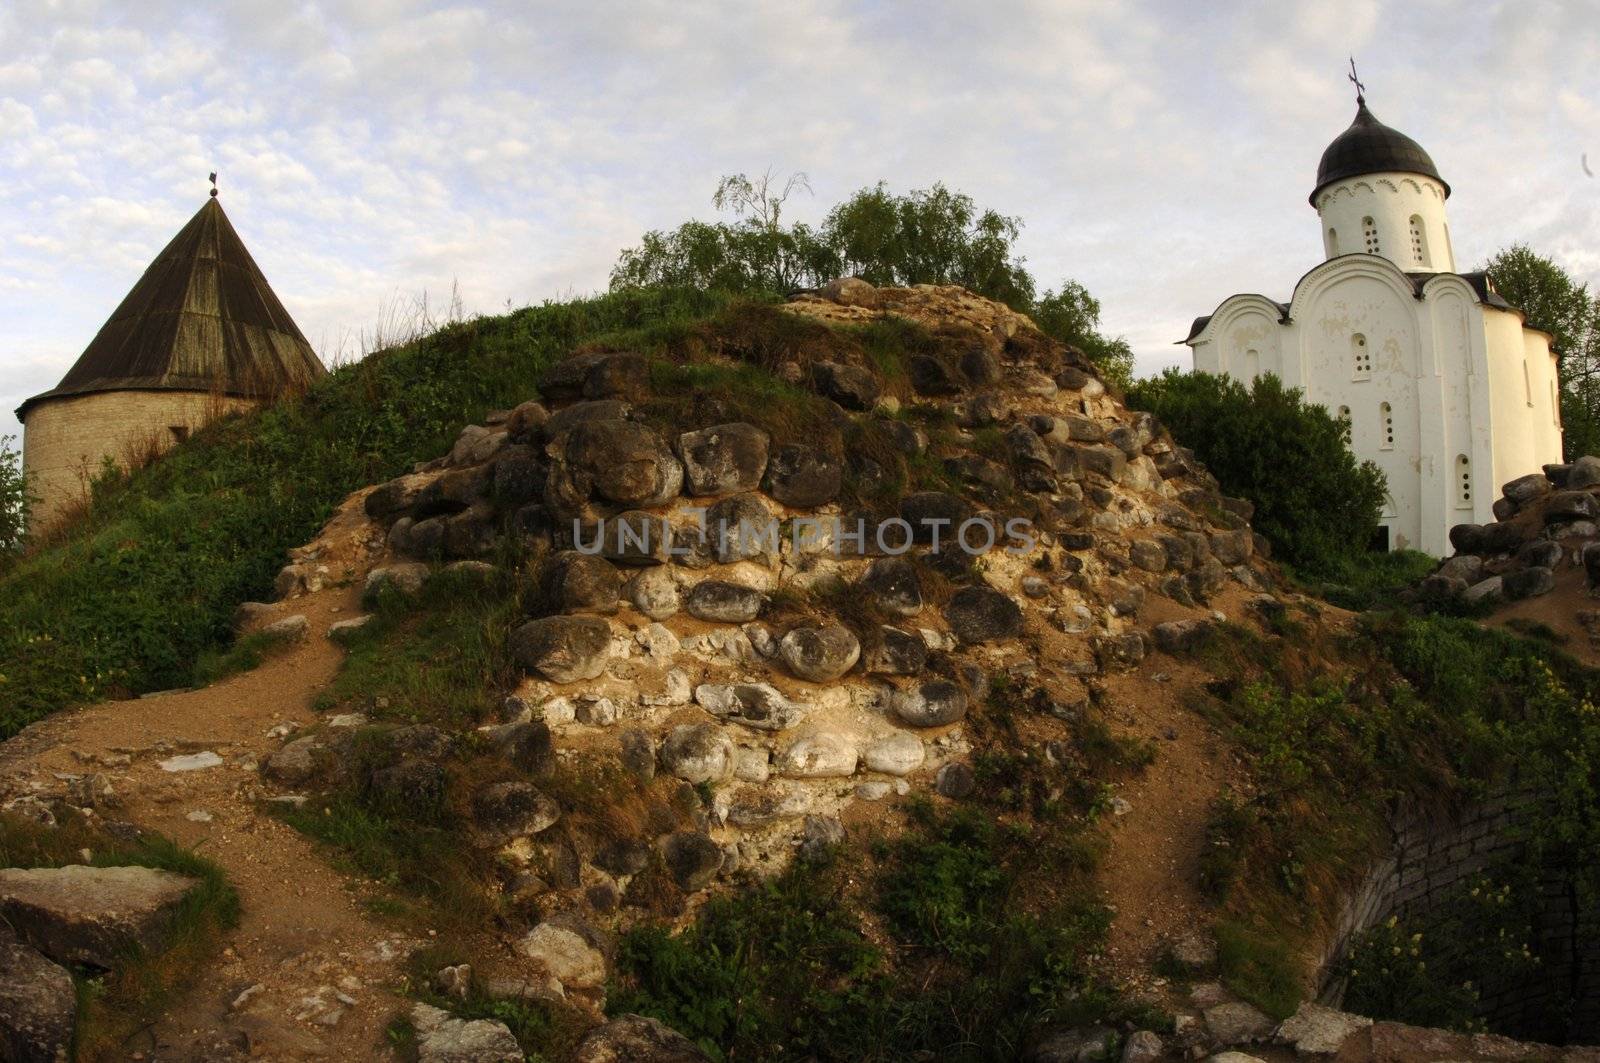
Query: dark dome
x=1369 y=146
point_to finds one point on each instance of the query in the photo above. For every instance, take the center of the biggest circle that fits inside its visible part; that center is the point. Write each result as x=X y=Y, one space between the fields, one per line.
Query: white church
x=1446 y=388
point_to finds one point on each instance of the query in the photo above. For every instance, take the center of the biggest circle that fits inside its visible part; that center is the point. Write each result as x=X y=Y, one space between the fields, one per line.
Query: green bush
x=1315 y=502
x=129 y=600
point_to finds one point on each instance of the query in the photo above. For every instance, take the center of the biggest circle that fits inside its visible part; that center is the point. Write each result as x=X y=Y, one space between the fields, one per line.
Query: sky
x=373 y=153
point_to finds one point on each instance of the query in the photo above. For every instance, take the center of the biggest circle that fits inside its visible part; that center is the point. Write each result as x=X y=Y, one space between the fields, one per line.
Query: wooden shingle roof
x=202 y=318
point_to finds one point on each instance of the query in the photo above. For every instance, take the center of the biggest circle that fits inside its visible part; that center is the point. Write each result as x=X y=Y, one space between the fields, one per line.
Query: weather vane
x=1361 y=90
x=213 y=186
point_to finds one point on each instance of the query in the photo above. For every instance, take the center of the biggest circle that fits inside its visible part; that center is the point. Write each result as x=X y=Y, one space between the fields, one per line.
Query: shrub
x=14 y=500
x=1315 y=502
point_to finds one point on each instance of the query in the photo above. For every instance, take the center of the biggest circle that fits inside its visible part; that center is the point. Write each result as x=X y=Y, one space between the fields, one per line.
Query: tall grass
x=148 y=581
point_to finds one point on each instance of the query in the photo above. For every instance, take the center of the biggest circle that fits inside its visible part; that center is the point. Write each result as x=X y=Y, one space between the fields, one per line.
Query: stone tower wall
x=66 y=439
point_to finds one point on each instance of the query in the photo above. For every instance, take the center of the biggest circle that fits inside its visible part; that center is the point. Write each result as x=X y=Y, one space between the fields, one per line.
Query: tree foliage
x=926 y=236
x=1556 y=303
x=1315 y=502
x=14 y=500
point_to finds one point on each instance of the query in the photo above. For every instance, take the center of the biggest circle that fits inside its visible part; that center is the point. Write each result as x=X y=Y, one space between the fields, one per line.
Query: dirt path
x=320 y=965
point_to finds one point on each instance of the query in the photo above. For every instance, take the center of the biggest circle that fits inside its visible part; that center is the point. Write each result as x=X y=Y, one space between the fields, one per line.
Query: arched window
x=1360 y=357
x=1369 y=233
x=1252 y=364
x=1419 y=241
x=1333 y=242
x=1386 y=424
x=1463 y=482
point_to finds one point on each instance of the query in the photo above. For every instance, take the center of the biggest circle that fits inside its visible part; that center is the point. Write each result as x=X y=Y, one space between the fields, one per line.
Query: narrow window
x=1527 y=383
x=1463 y=482
x=1344 y=415
x=1360 y=357
x=1419 y=241
x=1252 y=364
x=1386 y=422
x=1369 y=232
x=1555 y=404
x=1333 y=242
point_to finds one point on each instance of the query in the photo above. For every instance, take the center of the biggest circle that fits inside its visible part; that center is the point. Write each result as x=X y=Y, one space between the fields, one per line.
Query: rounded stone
x=722 y=602
x=698 y=753
x=896 y=754
x=820 y=654
x=935 y=703
x=982 y=614
x=820 y=755
x=563 y=649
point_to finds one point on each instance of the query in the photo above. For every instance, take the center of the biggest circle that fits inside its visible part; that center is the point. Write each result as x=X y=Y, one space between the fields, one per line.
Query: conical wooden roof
x=202 y=318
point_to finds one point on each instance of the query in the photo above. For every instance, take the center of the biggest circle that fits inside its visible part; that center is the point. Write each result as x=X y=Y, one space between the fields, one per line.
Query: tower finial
x=1361 y=90
x=213 y=186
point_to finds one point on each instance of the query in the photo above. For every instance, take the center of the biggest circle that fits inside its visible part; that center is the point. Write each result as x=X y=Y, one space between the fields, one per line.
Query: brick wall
x=1432 y=856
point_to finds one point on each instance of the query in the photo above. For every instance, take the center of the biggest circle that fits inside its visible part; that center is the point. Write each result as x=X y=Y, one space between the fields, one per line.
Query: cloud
x=1158 y=152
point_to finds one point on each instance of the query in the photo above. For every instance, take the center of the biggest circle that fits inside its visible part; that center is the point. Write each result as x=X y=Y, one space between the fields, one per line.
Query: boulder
x=1571 y=505
x=1118 y=652
x=525 y=743
x=935 y=703
x=1441 y=588
x=803 y=477
x=654 y=592
x=565 y=954
x=1232 y=547
x=1142 y=1046
x=633 y=537
x=1525 y=489
x=573 y=582
x=741 y=528
x=407 y=577
x=850 y=386
x=1181 y=636
x=955 y=780
x=567 y=419
x=618 y=461
x=563 y=649
x=1463 y=567
x=756 y=705
x=638 y=753
x=724 y=459
x=1083 y=1044
x=934 y=515
x=506 y=810
x=1315 y=1030
x=697 y=753
x=1541 y=553
x=982 y=614
x=1491 y=589
x=636 y=1039
x=900 y=753
x=295 y=763
x=819 y=755
x=820 y=654
x=1591 y=563
x=1148 y=555
x=894 y=586
x=38 y=1005
x=1108 y=462
x=413 y=787
x=1585 y=472
x=692 y=859
x=518 y=478
x=897 y=652
x=722 y=602
x=1467 y=538
x=443 y=1038
x=1237 y=1023
x=1527 y=583
x=92 y=915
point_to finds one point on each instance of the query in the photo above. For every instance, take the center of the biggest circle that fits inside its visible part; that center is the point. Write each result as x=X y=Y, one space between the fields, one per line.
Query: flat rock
x=38 y=1005
x=191 y=762
x=566 y=955
x=820 y=755
x=756 y=705
x=1320 y=1031
x=91 y=915
x=1237 y=1023
x=563 y=649
x=443 y=1038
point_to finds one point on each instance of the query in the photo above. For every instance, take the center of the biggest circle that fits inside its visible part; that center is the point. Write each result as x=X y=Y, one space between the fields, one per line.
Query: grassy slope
x=148 y=584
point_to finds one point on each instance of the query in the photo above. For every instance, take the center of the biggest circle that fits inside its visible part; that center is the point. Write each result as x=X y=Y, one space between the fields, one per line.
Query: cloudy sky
x=374 y=150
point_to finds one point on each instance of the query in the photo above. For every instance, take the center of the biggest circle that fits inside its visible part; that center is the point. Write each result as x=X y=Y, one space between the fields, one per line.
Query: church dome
x=1369 y=146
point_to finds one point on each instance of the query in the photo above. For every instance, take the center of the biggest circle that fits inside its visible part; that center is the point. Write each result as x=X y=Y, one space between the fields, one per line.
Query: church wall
x=64 y=440
x=1462 y=448
x=1515 y=383
x=1390 y=200
x=1366 y=316
x=1250 y=346
x=1546 y=425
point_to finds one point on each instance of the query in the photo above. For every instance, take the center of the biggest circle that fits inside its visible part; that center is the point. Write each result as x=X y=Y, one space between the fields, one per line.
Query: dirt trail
x=323 y=966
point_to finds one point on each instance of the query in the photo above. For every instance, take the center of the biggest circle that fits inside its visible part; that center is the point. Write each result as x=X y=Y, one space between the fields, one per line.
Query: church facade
x=1445 y=387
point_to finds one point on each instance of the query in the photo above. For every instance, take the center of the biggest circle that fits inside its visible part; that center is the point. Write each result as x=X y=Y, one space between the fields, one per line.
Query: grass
x=544 y=1031
x=1427 y=711
x=113 y=1005
x=1371 y=579
x=248 y=653
x=148 y=582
